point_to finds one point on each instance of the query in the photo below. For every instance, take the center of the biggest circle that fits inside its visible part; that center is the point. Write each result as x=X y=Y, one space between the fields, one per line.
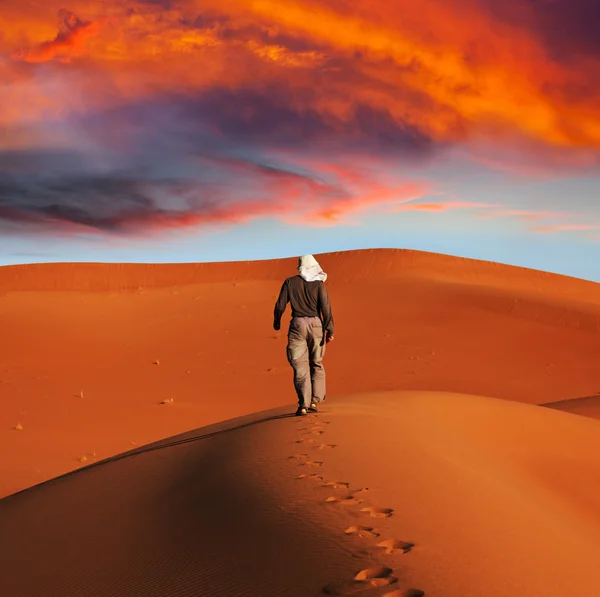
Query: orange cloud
x=68 y=43
x=425 y=47
x=455 y=74
x=441 y=207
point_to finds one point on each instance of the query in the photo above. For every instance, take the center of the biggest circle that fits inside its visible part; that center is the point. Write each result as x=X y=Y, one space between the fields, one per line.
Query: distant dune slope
x=454 y=495
x=90 y=351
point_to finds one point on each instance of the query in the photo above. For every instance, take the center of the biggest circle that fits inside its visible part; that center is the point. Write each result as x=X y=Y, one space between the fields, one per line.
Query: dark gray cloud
x=276 y=116
x=218 y=189
x=103 y=203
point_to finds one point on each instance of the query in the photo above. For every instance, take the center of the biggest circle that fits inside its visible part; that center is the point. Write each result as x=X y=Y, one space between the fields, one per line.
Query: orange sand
x=453 y=495
x=500 y=498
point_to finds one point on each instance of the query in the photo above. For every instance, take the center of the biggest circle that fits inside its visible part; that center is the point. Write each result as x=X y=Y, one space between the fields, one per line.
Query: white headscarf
x=310 y=269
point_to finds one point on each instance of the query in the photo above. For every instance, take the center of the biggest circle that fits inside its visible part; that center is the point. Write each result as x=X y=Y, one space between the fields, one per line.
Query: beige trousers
x=305 y=352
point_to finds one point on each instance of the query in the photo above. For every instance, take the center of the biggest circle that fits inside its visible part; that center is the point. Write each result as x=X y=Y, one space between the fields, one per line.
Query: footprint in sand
x=365 y=579
x=337 y=484
x=362 y=532
x=299 y=457
x=311 y=476
x=311 y=463
x=378 y=512
x=348 y=500
x=393 y=545
x=405 y=593
x=305 y=441
x=380 y=576
x=325 y=446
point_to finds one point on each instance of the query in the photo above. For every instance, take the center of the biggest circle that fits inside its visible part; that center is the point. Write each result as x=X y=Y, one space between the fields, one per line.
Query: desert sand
x=443 y=460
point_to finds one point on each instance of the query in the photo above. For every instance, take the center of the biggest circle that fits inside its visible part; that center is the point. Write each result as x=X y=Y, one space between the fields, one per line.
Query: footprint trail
x=376 y=576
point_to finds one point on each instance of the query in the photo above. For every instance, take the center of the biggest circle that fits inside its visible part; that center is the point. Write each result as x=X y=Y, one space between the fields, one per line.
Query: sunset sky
x=204 y=130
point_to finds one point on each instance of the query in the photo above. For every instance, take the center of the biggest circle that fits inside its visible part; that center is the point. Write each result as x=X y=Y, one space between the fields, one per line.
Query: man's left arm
x=326 y=314
x=280 y=306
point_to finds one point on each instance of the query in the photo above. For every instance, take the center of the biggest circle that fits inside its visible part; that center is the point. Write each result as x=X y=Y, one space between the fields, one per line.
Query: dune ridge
x=396 y=493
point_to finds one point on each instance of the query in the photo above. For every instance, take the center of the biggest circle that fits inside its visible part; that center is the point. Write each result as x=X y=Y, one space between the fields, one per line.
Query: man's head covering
x=310 y=269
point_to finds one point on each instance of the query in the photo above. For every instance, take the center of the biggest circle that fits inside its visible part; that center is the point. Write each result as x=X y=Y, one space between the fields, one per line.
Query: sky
x=217 y=130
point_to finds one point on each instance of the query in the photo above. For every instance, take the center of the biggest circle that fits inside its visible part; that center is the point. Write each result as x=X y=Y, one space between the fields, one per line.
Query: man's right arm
x=280 y=305
x=325 y=308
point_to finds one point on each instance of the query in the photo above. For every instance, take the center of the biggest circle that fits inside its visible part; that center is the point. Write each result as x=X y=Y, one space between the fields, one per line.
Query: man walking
x=310 y=329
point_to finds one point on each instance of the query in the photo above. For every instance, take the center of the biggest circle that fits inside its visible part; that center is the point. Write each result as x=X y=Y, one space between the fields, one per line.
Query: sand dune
x=392 y=494
x=100 y=358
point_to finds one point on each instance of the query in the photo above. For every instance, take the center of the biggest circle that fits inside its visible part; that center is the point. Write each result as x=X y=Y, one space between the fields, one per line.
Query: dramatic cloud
x=69 y=42
x=138 y=115
x=229 y=190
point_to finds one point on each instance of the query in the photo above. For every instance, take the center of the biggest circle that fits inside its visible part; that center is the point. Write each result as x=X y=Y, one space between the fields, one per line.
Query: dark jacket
x=308 y=299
